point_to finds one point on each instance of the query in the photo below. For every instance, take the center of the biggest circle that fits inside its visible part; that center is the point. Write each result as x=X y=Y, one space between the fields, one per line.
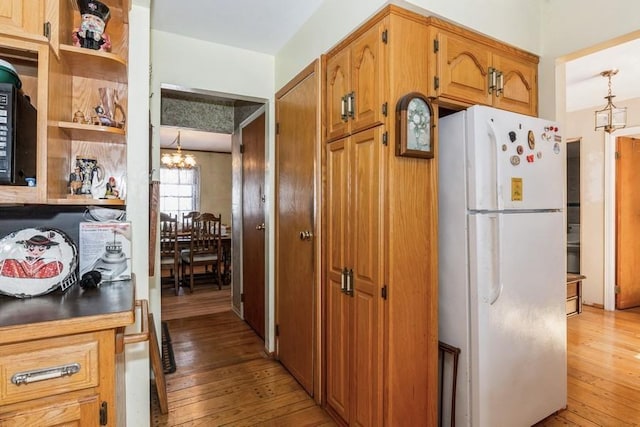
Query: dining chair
x=169 y=254
x=187 y=220
x=205 y=247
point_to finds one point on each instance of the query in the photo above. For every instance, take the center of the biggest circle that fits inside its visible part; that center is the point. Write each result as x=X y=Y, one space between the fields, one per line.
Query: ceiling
x=258 y=25
x=586 y=88
x=193 y=139
x=266 y=25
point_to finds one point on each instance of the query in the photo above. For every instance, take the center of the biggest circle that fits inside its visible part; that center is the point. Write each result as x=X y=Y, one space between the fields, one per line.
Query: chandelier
x=610 y=117
x=177 y=159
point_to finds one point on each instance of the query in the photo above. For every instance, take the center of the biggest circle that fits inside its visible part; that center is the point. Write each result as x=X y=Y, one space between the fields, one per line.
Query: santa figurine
x=91 y=33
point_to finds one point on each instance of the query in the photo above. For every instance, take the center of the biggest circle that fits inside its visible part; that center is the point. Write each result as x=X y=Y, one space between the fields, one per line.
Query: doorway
x=573 y=206
x=189 y=110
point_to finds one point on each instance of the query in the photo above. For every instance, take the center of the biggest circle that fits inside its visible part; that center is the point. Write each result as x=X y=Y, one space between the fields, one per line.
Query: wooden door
x=366 y=198
x=253 y=217
x=338 y=304
x=462 y=69
x=627 y=223
x=368 y=78
x=297 y=118
x=337 y=87
x=520 y=87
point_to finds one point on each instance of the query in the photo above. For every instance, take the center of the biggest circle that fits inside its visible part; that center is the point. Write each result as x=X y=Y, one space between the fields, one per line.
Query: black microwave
x=18 y=136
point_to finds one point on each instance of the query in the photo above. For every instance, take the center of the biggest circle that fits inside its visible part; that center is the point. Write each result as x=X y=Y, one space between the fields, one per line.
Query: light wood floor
x=224 y=377
x=603 y=370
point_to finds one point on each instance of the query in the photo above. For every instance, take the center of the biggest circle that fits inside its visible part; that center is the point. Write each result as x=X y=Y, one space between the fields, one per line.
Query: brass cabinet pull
x=343 y=108
x=45 y=374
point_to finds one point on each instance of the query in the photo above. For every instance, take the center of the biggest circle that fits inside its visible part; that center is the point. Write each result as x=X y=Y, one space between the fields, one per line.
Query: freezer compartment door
x=515 y=161
x=518 y=319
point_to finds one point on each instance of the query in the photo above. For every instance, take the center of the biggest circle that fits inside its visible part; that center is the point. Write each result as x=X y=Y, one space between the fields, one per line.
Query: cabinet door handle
x=351 y=104
x=343 y=280
x=45 y=374
x=343 y=108
x=500 y=88
x=349 y=290
x=492 y=79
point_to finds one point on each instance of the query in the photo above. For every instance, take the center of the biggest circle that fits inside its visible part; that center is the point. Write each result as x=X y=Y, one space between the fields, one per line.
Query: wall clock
x=414 y=126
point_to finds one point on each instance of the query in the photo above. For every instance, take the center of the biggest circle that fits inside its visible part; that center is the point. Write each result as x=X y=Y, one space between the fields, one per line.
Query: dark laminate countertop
x=76 y=310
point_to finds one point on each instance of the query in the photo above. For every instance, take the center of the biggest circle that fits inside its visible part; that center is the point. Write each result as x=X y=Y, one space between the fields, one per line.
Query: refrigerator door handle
x=497 y=285
x=493 y=167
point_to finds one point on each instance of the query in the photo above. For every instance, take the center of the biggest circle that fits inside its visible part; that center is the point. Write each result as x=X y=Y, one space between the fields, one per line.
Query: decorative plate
x=36 y=261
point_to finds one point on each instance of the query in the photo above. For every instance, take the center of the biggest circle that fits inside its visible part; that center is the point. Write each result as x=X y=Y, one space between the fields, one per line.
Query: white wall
x=137 y=355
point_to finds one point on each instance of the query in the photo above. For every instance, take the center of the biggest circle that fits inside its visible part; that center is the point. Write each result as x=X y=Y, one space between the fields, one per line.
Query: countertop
x=60 y=313
x=572 y=277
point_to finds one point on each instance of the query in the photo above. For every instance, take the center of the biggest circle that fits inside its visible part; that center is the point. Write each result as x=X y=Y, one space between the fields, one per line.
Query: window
x=179 y=191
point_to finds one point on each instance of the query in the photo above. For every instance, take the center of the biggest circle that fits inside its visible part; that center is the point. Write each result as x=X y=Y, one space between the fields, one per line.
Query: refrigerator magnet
x=414 y=119
x=516 y=189
x=531 y=139
x=515 y=160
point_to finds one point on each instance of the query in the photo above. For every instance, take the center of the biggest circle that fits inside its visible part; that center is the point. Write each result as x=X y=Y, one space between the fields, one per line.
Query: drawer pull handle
x=45 y=374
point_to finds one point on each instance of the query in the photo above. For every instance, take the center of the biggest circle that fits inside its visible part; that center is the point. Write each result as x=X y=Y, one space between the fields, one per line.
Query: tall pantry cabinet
x=380 y=275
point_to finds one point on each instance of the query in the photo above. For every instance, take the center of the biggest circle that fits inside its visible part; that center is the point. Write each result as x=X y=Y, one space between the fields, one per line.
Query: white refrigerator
x=502 y=263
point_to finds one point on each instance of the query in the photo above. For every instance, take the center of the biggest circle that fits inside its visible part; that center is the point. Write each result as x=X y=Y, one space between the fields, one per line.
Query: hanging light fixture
x=177 y=159
x=610 y=117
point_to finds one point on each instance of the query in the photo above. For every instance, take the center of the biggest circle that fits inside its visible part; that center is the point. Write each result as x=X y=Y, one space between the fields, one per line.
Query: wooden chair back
x=205 y=247
x=169 y=254
x=187 y=220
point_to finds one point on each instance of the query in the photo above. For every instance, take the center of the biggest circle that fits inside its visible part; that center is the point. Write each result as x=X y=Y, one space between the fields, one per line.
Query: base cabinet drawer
x=81 y=411
x=36 y=369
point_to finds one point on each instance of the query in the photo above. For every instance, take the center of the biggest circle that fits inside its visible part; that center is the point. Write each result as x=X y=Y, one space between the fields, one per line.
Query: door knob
x=260 y=226
x=306 y=235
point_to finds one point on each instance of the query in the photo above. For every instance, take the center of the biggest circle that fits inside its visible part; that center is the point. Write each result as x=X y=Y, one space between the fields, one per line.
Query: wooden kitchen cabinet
x=354 y=271
x=472 y=69
x=59 y=354
x=67 y=79
x=23 y=19
x=379 y=235
x=355 y=83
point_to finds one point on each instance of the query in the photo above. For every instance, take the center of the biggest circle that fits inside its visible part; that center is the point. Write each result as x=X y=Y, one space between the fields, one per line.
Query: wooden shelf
x=93 y=133
x=94 y=64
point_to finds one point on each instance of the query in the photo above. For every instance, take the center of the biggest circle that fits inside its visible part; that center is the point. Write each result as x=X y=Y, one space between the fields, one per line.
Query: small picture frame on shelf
x=414 y=126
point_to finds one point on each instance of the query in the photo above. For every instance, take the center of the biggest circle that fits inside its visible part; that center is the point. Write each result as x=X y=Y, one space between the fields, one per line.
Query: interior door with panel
x=297 y=117
x=253 y=224
x=627 y=224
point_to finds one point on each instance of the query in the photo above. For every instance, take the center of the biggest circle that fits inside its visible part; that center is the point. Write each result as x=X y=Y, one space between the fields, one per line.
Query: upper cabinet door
x=22 y=18
x=355 y=84
x=462 y=69
x=519 y=85
x=367 y=79
x=338 y=87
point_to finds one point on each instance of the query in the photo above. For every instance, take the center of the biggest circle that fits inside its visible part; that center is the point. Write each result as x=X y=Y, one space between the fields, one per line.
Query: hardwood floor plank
x=224 y=377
